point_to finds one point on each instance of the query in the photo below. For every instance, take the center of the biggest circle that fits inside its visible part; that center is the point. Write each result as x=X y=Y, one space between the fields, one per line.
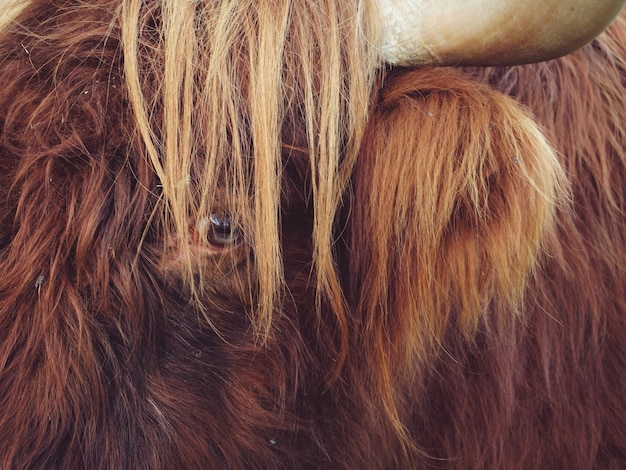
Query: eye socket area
x=219 y=231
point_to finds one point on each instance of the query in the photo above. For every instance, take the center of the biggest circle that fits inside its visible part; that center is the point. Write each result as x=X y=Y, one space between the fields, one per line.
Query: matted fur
x=421 y=281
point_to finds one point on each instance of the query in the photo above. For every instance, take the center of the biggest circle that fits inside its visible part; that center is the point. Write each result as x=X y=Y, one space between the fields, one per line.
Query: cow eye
x=222 y=232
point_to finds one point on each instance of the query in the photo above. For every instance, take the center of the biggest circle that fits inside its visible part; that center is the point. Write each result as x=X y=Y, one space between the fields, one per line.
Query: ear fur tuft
x=448 y=220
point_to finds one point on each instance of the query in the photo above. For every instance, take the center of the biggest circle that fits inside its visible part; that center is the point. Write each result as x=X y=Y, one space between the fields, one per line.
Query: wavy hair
x=219 y=93
x=229 y=240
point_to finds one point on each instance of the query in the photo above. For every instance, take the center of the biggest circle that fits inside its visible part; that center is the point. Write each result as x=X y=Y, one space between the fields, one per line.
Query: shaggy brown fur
x=468 y=310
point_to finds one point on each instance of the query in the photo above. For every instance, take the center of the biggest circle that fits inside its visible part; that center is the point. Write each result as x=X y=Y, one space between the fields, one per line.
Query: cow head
x=243 y=180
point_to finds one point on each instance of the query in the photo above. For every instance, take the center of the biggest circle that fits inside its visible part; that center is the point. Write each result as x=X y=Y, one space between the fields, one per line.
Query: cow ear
x=455 y=191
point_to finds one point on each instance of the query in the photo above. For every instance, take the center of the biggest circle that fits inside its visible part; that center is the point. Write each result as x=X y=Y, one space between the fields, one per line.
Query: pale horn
x=489 y=32
x=9 y=9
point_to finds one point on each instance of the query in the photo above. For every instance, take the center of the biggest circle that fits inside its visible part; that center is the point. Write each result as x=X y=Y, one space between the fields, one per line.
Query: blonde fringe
x=264 y=59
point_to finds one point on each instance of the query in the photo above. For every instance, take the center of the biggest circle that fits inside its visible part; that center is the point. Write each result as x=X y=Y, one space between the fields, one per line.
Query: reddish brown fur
x=487 y=310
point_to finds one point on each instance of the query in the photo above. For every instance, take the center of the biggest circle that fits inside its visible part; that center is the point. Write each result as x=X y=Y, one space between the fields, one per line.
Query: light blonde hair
x=229 y=77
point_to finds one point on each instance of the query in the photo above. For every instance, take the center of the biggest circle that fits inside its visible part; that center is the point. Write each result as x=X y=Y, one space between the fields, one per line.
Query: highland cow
x=273 y=234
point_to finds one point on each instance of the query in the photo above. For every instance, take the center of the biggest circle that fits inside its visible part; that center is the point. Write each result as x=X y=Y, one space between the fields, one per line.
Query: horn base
x=484 y=32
